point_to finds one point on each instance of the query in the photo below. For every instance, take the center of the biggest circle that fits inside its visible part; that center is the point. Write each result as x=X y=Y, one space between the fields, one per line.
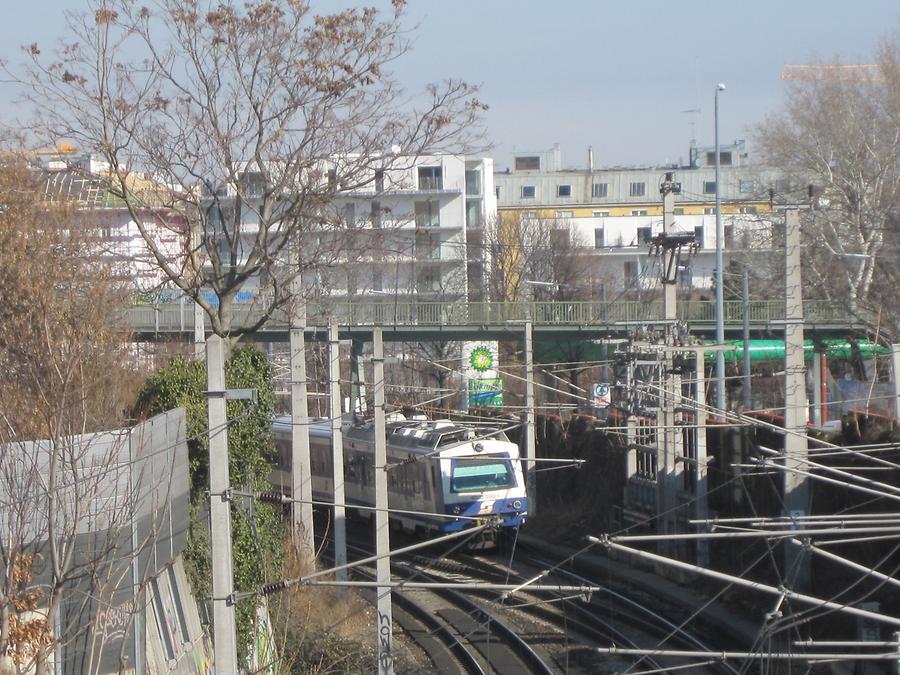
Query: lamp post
x=720 y=291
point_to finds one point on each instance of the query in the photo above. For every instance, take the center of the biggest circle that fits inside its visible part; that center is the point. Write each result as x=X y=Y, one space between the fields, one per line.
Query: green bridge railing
x=176 y=316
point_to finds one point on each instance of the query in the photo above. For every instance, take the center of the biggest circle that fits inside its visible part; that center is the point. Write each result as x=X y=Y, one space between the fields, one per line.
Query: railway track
x=489 y=631
x=457 y=634
x=635 y=623
x=565 y=631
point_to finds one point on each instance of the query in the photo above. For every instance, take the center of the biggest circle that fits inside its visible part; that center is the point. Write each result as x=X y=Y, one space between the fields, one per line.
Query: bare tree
x=840 y=139
x=249 y=118
x=66 y=482
x=529 y=248
x=543 y=259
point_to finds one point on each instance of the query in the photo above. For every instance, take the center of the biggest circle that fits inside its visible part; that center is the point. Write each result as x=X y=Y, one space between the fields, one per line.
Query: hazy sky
x=615 y=75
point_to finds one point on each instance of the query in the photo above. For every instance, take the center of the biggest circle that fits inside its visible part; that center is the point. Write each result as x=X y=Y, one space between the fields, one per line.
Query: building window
x=679 y=211
x=348 y=214
x=630 y=270
x=782 y=185
x=427 y=214
x=473 y=213
x=724 y=158
x=728 y=231
x=685 y=275
x=639 y=212
x=599 y=237
x=559 y=238
x=637 y=189
x=709 y=187
x=332 y=179
x=497 y=191
x=748 y=209
x=600 y=190
x=377 y=280
x=376 y=214
x=528 y=192
x=563 y=214
x=528 y=163
x=745 y=186
x=431 y=178
x=563 y=190
x=427 y=246
x=709 y=210
x=529 y=215
x=698 y=235
x=473 y=183
x=427 y=282
x=379 y=180
x=600 y=214
x=644 y=235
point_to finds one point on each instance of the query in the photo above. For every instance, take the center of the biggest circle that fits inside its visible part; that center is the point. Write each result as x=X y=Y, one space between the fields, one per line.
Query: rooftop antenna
x=694 y=112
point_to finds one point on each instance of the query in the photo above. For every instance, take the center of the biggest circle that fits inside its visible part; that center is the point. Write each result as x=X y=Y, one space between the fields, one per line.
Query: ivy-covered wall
x=256 y=529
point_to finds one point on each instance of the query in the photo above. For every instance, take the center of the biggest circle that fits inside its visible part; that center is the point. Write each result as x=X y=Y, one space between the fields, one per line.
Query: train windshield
x=476 y=474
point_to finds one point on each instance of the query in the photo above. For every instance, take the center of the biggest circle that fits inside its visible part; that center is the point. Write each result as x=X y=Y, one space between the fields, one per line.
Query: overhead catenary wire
x=752 y=585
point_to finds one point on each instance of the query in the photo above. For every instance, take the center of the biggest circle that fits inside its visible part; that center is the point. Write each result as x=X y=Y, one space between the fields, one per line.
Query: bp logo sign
x=481 y=359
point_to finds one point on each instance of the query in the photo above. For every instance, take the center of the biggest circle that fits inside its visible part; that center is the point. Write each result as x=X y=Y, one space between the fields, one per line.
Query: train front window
x=474 y=475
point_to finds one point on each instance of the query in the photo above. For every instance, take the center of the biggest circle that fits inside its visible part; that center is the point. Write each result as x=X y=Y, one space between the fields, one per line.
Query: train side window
x=423 y=478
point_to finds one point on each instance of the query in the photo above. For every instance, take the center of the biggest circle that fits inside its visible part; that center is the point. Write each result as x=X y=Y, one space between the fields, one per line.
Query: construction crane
x=854 y=72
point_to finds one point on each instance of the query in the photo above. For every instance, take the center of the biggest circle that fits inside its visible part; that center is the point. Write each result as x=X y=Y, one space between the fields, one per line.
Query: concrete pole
x=301 y=471
x=817 y=402
x=668 y=433
x=199 y=331
x=357 y=379
x=384 y=627
x=337 y=450
x=220 y=511
x=796 y=487
x=701 y=505
x=745 y=297
x=669 y=286
x=530 y=430
x=720 y=290
x=199 y=314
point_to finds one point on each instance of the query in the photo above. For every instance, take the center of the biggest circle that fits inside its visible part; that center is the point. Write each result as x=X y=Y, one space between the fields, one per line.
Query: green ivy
x=256 y=542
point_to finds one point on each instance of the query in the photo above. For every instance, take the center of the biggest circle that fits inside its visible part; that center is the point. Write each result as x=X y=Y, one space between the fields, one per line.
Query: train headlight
x=517 y=505
x=479 y=447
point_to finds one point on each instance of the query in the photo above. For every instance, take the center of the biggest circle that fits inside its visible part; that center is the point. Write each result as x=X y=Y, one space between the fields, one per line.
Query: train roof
x=425 y=435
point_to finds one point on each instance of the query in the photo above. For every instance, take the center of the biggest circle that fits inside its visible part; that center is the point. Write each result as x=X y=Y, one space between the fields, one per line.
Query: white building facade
x=416 y=229
x=617 y=212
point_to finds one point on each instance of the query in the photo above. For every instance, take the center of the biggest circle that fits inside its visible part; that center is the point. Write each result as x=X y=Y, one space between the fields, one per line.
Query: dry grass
x=324 y=629
x=321 y=629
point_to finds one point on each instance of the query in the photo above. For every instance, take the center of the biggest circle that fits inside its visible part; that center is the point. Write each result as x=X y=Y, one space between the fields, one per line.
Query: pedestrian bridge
x=427 y=320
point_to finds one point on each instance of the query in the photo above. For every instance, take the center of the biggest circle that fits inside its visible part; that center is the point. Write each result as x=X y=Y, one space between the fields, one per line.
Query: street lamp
x=720 y=295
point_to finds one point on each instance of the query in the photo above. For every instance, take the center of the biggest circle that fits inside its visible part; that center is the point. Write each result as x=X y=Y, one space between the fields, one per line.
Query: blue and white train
x=434 y=467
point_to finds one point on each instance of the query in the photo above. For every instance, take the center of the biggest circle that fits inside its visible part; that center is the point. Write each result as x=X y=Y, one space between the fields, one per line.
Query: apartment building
x=616 y=212
x=67 y=177
x=415 y=230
